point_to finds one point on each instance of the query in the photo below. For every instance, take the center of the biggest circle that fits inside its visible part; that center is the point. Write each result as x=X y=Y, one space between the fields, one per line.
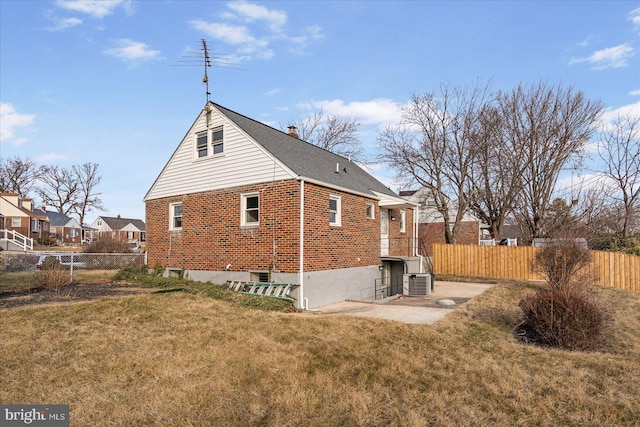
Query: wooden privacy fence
x=517 y=262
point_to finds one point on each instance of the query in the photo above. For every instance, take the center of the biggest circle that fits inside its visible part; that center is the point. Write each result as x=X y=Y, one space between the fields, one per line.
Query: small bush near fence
x=53 y=277
x=565 y=314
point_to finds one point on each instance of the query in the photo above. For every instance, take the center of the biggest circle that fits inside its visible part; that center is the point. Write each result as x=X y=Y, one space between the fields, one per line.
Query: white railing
x=24 y=242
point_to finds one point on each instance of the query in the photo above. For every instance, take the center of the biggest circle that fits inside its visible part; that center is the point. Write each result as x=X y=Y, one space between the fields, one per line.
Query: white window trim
x=403 y=221
x=338 y=221
x=243 y=209
x=210 y=145
x=371 y=206
x=172 y=215
x=16 y=220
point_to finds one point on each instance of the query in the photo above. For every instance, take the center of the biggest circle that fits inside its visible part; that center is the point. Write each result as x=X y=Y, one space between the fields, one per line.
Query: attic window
x=209 y=143
x=202 y=146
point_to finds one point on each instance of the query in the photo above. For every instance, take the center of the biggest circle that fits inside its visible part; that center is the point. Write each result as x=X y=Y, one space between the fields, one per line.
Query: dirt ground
x=73 y=293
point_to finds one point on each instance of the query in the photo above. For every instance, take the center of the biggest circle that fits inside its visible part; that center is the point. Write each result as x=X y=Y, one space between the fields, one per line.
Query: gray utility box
x=417 y=284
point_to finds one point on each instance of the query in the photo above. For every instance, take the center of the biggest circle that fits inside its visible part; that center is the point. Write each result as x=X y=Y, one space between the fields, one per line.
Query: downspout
x=304 y=303
x=416 y=236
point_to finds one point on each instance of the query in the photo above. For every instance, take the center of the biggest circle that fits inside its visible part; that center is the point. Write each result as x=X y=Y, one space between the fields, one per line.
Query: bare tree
x=619 y=149
x=59 y=188
x=333 y=133
x=19 y=175
x=87 y=199
x=434 y=145
x=496 y=174
x=554 y=125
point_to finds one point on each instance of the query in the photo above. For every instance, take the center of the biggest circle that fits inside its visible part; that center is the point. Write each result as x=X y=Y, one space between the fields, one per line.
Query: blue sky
x=100 y=81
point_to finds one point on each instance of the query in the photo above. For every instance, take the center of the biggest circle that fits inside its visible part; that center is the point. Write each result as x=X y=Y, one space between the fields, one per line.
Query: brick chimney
x=44 y=208
x=292 y=131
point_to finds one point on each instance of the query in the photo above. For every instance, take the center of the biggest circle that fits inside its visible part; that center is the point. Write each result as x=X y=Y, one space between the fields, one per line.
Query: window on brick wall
x=16 y=222
x=403 y=222
x=335 y=210
x=250 y=214
x=371 y=211
x=175 y=216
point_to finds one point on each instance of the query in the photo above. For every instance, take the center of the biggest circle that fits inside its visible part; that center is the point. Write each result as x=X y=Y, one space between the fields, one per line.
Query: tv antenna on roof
x=204 y=57
x=207 y=64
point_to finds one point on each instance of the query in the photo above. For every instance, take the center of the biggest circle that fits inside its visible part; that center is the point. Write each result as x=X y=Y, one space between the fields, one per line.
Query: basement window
x=260 y=276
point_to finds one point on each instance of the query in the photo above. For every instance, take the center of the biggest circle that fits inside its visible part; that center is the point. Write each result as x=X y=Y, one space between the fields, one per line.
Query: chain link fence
x=34 y=261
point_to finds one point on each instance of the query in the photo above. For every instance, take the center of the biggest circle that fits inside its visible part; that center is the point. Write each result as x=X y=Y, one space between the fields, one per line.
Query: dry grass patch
x=183 y=359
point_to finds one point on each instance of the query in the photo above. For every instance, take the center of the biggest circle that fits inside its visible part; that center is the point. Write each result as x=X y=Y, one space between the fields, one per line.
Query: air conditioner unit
x=417 y=285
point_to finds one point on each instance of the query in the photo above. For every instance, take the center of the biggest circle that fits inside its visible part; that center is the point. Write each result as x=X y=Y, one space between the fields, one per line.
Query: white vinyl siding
x=243 y=163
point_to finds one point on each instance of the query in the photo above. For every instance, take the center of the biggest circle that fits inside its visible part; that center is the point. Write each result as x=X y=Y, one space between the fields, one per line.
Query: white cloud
x=10 y=120
x=379 y=111
x=249 y=12
x=230 y=34
x=634 y=17
x=64 y=23
x=635 y=92
x=612 y=57
x=95 y=8
x=49 y=158
x=272 y=91
x=133 y=52
x=252 y=28
x=609 y=116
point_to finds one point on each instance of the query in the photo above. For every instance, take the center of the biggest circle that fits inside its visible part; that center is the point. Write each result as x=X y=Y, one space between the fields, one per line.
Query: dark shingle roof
x=117 y=223
x=57 y=219
x=308 y=160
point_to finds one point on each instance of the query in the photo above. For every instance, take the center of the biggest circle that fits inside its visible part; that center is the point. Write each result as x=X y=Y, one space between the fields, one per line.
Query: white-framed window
x=250 y=214
x=217 y=136
x=130 y=234
x=335 y=210
x=175 y=216
x=35 y=225
x=403 y=221
x=202 y=144
x=371 y=211
x=209 y=143
x=16 y=222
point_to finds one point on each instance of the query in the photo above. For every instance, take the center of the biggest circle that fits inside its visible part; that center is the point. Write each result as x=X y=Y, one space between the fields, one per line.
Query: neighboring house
x=123 y=229
x=239 y=200
x=19 y=216
x=431 y=221
x=62 y=227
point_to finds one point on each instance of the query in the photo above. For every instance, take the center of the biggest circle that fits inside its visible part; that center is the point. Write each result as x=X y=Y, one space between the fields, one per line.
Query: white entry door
x=384 y=232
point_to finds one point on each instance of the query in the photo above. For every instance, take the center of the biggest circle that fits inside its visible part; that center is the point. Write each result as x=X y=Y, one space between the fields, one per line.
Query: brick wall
x=400 y=244
x=211 y=235
x=434 y=233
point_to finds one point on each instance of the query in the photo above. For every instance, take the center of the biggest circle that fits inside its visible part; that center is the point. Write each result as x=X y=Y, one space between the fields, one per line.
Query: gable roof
x=307 y=160
x=118 y=223
x=296 y=158
x=57 y=219
x=9 y=197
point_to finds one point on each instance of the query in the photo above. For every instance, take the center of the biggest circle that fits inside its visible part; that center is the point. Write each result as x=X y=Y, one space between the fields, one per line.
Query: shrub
x=47 y=241
x=565 y=314
x=566 y=318
x=563 y=262
x=52 y=277
x=107 y=245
